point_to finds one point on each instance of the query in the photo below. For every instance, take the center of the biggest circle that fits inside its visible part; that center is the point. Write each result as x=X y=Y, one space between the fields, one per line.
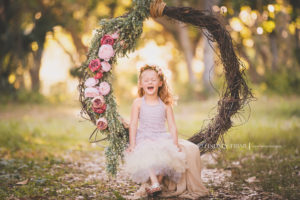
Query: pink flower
x=95 y=64
x=91 y=82
x=105 y=66
x=115 y=35
x=91 y=92
x=101 y=123
x=98 y=75
x=106 y=52
x=98 y=104
x=104 y=88
x=159 y=72
x=107 y=39
x=98 y=101
x=100 y=110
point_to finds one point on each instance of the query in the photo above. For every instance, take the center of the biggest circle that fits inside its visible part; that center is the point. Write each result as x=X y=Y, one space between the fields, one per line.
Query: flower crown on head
x=159 y=70
x=154 y=67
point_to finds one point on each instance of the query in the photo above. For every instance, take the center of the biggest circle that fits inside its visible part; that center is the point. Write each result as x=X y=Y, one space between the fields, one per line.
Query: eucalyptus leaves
x=116 y=37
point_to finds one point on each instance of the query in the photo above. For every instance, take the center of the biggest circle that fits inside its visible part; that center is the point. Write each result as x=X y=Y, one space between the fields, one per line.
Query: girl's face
x=150 y=82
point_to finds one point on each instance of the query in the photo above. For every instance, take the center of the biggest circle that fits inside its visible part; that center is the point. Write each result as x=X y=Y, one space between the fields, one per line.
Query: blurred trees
x=187 y=39
x=24 y=26
x=266 y=34
x=267 y=37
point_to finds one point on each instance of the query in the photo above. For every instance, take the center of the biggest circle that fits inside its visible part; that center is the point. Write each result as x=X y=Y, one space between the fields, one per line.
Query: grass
x=35 y=138
x=272 y=147
x=33 y=142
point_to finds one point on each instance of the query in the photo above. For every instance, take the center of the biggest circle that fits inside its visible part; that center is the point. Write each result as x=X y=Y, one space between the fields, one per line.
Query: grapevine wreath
x=118 y=36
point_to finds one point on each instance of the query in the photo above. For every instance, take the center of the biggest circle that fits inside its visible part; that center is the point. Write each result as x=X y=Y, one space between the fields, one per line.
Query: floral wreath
x=154 y=67
x=116 y=38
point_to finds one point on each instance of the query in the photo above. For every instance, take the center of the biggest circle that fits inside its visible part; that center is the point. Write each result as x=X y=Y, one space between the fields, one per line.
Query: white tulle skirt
x=155 y=151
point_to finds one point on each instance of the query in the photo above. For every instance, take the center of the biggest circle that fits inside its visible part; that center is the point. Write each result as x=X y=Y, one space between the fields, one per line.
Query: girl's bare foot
x=153 y=190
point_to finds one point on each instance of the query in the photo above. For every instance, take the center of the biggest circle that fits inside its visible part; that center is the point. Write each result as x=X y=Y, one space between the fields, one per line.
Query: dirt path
x=89 y=168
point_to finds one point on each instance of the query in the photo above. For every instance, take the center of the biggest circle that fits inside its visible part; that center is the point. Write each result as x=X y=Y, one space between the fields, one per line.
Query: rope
x=157 y=8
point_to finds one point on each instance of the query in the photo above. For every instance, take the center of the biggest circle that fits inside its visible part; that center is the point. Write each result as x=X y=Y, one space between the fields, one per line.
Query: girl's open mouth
x=150 y=88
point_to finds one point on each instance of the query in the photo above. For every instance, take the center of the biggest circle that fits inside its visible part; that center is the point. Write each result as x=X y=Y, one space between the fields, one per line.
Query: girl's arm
x=172 y=124
x=133 y=122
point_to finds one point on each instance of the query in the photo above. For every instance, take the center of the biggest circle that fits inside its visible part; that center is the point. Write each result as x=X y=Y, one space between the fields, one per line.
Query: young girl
x=153 y=152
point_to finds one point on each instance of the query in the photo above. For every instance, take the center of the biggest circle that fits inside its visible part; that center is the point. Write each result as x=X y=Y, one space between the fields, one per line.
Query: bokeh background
x=43 y=42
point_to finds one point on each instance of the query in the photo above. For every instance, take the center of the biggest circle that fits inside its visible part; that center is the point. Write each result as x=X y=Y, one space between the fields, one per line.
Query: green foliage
x=284 y=81
x=237 y=4
x=186 y=91
x=130 y=28
x=40 y=129
x=11 y=136
x=25 y=96
x=22 y=96
x=59 y=93
x=296 y=54
x=24 y=23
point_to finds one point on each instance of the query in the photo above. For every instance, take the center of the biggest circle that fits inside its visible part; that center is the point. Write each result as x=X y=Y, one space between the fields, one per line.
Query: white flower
x=91 y=82
x=106 y=51
x=105 y=66
x=91 y=92
x=104 y=88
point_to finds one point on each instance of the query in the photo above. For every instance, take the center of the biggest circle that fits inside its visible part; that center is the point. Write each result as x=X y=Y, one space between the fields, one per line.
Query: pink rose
x=91 y=82
x=100 y=110
x=101 y=123
x=115 y=35
x=95 y=65
x=105 y=66
x=107 y=39
x=91 y=92
x=104 y=88
x=106 y=52
x=98 y=101
x=98 y=75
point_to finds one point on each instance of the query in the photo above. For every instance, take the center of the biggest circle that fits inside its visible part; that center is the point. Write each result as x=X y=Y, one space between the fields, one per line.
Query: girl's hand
x=130 y=148
x=177 y=145
x=179 y=148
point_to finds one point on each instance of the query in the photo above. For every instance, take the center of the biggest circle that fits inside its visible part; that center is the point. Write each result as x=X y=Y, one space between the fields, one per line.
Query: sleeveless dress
x=154 y=147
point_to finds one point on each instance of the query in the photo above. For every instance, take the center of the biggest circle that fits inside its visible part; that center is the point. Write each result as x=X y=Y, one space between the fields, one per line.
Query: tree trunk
x=208 y=66
x=186 y=46
x=208 y=72
x=35 y=69
x=274 y=50
x=297 y=49
x=255 y=77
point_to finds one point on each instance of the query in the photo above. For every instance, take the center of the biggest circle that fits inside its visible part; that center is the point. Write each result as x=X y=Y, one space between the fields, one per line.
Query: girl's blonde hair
x=164 y=91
